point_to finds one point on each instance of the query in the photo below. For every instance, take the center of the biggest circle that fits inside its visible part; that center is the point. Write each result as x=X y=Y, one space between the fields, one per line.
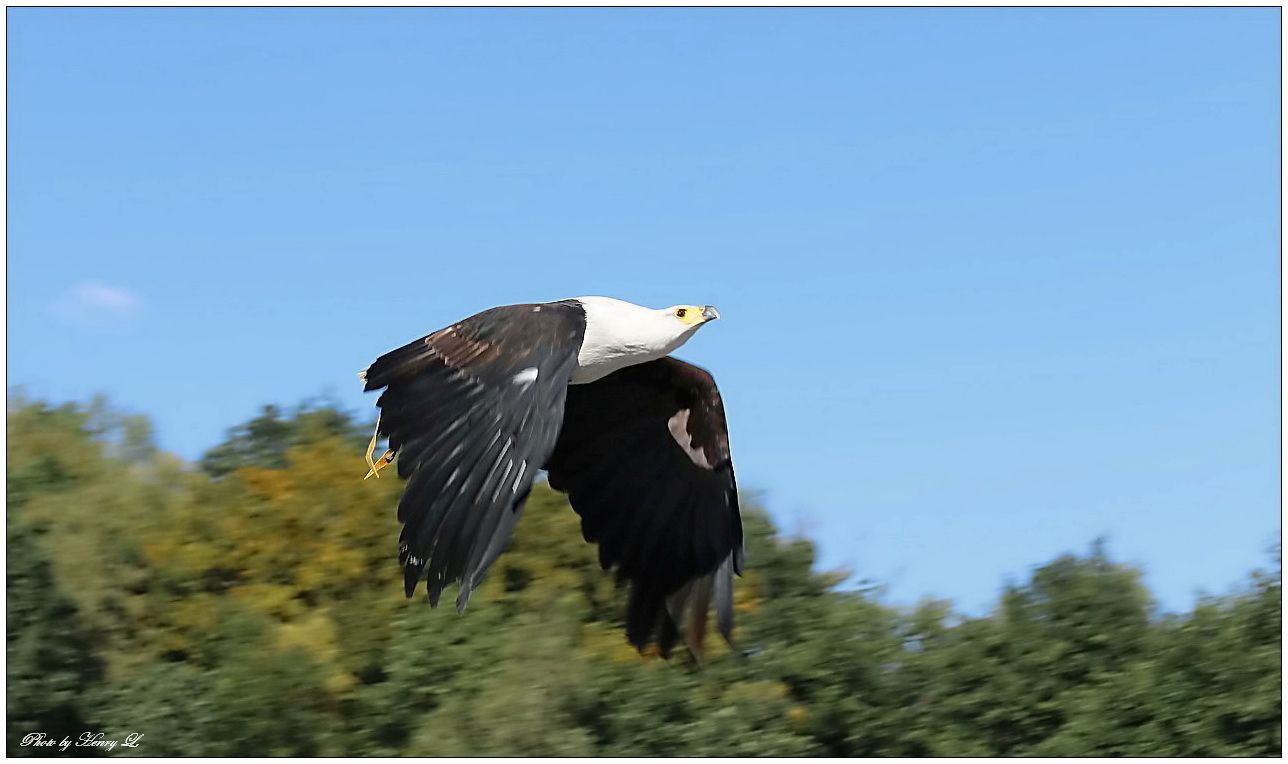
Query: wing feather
x=471 y=411
x=644 y=458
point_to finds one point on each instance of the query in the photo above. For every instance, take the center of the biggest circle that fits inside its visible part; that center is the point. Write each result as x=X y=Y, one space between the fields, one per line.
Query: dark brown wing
x=644 y=457
x=472 y=412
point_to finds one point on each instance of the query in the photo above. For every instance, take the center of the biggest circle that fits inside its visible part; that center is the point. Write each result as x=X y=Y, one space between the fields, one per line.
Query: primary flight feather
x=585 y=389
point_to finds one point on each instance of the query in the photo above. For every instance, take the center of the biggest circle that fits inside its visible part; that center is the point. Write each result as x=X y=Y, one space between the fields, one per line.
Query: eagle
x=585 y=389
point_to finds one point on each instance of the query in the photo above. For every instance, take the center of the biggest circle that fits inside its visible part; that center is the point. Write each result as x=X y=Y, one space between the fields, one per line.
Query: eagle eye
x=680 y=313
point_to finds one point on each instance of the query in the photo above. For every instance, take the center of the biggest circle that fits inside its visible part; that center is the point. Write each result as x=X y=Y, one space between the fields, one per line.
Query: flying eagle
x=585 y=389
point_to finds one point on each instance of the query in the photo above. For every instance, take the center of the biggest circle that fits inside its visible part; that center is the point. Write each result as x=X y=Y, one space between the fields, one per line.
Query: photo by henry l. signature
x=95 y=740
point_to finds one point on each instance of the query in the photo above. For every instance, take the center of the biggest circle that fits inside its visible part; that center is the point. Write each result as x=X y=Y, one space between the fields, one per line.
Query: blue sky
x=994 y=282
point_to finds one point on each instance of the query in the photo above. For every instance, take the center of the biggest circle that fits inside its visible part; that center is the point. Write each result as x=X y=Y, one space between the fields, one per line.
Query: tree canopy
x=252 y=605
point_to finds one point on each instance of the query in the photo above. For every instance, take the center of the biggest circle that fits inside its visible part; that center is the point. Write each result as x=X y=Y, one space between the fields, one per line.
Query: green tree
x=254 y=606
x=238 y=694
x=49 y=653
x=263 y=441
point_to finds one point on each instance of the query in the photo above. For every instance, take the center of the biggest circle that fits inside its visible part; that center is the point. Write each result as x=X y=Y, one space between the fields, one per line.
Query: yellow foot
x=378 y=464
x=383 y=461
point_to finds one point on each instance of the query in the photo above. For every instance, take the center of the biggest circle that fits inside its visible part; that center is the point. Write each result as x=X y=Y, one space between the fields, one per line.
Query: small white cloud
x=94 y=300
x=98 y=296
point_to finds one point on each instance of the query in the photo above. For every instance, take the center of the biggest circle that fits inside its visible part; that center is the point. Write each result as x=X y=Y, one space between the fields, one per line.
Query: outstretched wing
x=644 y=457
x=472 y=412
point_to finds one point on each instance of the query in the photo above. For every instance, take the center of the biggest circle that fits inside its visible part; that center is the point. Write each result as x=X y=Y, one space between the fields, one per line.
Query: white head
x=620 y=334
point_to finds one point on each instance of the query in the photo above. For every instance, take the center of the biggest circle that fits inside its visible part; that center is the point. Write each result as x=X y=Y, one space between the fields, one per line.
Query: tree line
x=251 y=604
